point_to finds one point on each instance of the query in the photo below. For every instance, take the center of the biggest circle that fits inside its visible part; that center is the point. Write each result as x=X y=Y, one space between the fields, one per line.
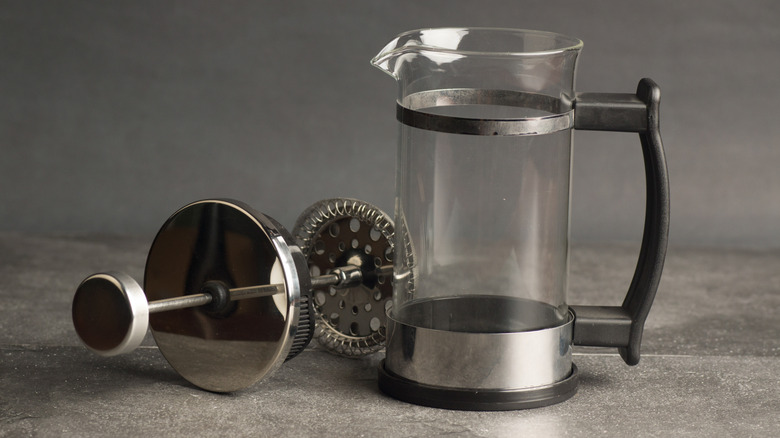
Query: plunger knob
x=110 y=313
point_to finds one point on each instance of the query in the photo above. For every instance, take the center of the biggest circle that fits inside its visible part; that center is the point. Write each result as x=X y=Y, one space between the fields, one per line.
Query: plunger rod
x=180 y=302
x=346 y=276
x=111 y=312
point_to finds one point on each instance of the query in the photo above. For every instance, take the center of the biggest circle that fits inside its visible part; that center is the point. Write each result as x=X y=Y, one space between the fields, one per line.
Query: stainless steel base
x=477 y=400
x=449 y=353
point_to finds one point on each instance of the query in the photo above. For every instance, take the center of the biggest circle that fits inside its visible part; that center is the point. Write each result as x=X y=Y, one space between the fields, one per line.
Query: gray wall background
x=114 y=114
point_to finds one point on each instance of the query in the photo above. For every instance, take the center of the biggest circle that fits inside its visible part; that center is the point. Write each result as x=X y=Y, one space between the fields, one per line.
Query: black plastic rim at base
x=475 y=399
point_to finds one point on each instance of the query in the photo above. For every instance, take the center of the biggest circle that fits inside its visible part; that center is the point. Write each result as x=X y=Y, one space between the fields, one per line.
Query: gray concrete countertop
x=710 y=364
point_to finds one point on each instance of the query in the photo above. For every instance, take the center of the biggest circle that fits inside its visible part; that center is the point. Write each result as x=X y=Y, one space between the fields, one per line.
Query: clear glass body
x=482 y=220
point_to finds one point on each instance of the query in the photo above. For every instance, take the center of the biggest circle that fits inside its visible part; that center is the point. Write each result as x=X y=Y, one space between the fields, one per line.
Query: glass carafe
x=482 y=218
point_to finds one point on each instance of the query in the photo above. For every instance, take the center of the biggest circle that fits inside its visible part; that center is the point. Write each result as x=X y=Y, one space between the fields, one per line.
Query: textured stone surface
x=65 y=390
x=710 y=365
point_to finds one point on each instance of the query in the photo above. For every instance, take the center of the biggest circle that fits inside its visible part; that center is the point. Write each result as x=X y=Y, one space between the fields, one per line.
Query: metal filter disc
x=336 y=232
x=232 y=347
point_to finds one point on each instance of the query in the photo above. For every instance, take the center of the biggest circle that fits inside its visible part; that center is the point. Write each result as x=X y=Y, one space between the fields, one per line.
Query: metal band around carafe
x=409 y=112
x=480 y=361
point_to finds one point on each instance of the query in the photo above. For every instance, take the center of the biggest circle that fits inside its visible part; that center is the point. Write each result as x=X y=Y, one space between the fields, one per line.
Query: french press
x=466 y=288
x=479 y=317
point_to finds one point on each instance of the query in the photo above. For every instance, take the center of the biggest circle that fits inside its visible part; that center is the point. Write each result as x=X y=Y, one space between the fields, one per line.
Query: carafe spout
x=385 y=60
x=438 y=45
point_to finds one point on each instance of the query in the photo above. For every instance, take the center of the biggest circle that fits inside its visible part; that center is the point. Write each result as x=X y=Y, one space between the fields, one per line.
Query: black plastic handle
x=622 y=327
